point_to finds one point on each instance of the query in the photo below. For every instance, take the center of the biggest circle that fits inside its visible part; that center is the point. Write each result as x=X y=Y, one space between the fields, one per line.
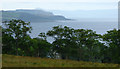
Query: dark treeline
x=69 y=43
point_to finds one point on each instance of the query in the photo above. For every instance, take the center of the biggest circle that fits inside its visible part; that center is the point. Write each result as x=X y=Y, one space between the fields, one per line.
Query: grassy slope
x=17 y=61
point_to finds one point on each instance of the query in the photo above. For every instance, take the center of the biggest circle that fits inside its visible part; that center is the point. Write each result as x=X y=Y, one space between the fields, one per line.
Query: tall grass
x=20 y=61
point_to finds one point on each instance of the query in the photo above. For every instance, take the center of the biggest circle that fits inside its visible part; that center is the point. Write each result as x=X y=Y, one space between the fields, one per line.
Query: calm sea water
x=101 y=27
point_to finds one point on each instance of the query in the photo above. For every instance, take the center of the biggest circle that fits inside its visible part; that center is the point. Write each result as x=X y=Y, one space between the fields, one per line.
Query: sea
x=100 y=26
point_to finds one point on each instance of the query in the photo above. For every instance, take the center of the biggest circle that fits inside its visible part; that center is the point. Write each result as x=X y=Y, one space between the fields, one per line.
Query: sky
x=59 y=4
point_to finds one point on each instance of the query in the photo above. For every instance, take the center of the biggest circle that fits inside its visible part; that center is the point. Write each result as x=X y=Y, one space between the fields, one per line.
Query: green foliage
x=76 y=44
x=69 y=43
x=16 y=40
x=112 y=39
x=17 y=30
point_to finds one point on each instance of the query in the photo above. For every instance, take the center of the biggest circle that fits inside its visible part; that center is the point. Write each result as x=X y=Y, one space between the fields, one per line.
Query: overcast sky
x=59 y=4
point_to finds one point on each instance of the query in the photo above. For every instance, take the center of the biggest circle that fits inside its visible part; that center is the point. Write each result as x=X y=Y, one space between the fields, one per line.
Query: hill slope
x=31 y=16
x=20 y=61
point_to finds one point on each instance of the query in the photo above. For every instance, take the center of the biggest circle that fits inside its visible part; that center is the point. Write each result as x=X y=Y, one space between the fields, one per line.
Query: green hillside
x=20 y=61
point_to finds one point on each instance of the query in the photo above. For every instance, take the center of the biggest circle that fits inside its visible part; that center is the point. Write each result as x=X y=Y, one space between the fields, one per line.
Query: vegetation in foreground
x=68 y=43
x=20 y=61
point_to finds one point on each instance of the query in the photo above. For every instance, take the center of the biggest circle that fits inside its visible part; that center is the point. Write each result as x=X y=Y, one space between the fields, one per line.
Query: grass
x=20 y=61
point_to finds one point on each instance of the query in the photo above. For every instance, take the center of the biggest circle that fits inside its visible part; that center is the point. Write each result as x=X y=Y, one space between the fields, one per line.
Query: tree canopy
x=68 y=43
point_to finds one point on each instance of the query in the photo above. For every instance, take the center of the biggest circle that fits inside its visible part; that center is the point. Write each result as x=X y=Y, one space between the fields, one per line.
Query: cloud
x=60 y=4
x=60 y=1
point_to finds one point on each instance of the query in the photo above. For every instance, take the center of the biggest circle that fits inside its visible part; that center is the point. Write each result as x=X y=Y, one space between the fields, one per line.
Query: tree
x=18 y=30
x=69 y=43
x=112 y=39
x=89 y=45
x=41 y=48
x=77 y=44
